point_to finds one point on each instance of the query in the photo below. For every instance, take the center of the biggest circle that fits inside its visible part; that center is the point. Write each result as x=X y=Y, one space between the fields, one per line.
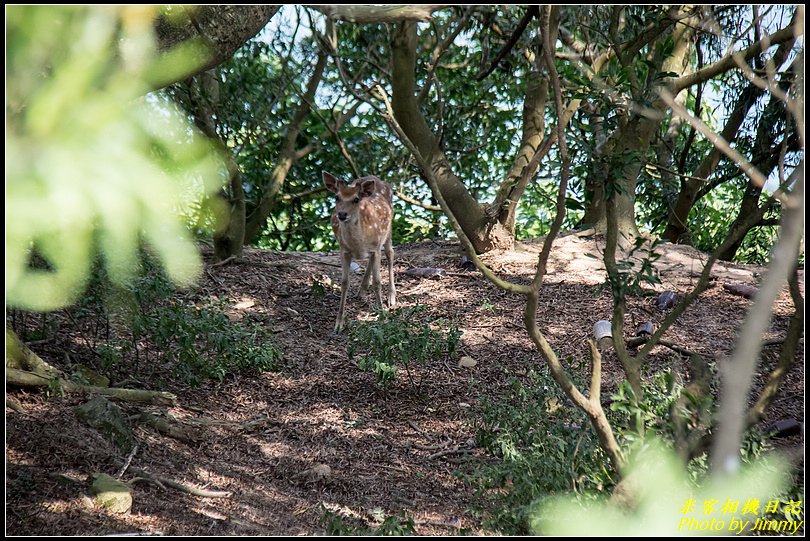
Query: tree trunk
x=229 y=240
x=629 y=143
x=534 y=113
x=287 y=157
x=484 y=231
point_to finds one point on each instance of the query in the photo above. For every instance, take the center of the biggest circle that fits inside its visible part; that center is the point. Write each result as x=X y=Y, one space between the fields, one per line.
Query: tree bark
x=378 y=14
x=221 y=30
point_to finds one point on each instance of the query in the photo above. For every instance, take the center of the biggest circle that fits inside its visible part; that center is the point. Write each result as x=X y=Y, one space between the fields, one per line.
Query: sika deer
x=362 y=225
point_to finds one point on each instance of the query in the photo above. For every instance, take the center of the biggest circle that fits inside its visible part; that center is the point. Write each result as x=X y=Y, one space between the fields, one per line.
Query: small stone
x=319 y=473
x=666 y=300
x=467 y=362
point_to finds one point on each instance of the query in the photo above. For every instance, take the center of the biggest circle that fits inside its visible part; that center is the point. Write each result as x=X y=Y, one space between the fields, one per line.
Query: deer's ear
x=368 y=187
x=331 y=182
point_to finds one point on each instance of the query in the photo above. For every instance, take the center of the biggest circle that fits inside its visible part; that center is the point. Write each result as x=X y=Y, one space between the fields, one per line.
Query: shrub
x=398 y=339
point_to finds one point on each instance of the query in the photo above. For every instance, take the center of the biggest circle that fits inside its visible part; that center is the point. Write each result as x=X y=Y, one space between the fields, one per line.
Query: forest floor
x=319 y=434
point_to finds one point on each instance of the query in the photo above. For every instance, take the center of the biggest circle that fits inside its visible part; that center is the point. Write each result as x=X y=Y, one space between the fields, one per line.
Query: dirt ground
x=319 y=434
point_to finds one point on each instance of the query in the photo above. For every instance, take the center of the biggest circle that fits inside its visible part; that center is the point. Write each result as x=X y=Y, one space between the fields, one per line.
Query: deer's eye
x=356 y=200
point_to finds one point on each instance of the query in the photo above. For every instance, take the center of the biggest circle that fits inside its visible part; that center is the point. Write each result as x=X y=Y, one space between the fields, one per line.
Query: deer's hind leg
x=392 y=291
x=367 y=276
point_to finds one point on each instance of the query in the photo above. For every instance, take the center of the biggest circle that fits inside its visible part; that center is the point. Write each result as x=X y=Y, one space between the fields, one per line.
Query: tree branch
x=531 y=12
x=378 y=14
x=738 y=370
x=730 y=60
x=752 y=172
x=440 y=49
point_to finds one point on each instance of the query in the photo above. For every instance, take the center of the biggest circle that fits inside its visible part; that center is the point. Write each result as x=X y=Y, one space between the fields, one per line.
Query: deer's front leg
x=346 y=263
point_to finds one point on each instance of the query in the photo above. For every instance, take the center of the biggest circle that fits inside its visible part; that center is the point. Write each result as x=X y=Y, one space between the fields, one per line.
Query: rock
x=645 y=328
x=110 y=493
x=92 y=377
x=426 y=272
x=108 y=419
x=316 y=474
x=467 y=362
x=666 y=300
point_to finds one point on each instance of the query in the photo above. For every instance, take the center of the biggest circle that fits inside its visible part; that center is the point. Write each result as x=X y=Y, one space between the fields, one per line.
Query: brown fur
x=361 y=222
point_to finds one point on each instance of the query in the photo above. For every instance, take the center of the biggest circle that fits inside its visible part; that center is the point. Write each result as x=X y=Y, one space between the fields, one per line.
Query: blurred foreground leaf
x=94 y=164
x=664 y=502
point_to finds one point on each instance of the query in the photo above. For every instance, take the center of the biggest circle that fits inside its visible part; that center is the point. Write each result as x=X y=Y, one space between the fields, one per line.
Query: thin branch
x=531 y=12
x=127 y=462
x=672 y=172
x=690 y=138
x=551 y=15
x=757 y=178
x=738 y=371
x=417 y=203
x=441 y=48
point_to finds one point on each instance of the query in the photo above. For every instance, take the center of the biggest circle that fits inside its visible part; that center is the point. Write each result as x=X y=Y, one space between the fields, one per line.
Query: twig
x=127 y=462
x=635 y=342
x=15 y=406
x=214 y=278
x=224 y=261
x=456 y=451
x=165 y=482
x=417 y=203
x=532 y=12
